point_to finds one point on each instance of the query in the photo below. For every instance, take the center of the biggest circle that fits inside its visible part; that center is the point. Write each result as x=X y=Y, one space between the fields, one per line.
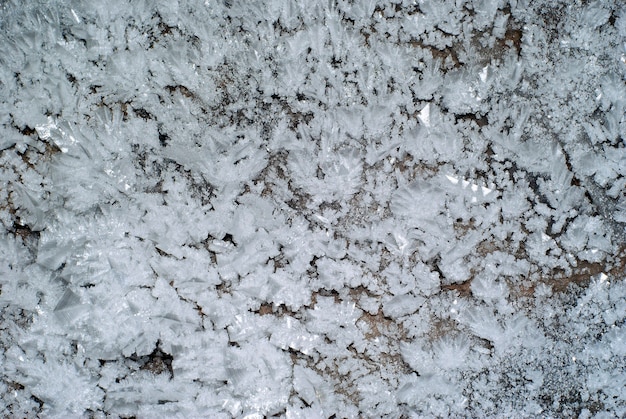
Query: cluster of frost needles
x=303 y=209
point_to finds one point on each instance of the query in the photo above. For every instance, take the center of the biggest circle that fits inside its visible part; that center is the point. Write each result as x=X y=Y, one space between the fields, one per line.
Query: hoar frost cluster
x=313 y=209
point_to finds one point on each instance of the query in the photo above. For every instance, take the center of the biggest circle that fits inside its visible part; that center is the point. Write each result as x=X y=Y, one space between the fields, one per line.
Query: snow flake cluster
x=313 y=209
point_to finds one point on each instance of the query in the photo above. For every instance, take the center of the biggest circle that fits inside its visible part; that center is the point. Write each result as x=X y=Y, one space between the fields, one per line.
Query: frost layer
x=247 y=209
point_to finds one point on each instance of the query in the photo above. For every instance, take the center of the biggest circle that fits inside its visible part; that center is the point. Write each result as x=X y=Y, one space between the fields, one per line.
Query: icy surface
x=313 y=209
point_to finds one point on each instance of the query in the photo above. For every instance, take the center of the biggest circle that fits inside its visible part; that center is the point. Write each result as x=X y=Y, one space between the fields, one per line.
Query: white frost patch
x=232 y=209
x=424 y=116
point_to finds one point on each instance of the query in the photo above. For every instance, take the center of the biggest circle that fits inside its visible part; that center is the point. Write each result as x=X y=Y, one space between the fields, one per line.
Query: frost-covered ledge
x=348 y=209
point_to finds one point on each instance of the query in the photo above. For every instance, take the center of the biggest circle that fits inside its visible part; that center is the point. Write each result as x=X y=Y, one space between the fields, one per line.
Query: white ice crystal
x=419 y=201
x=451 y=351
x=342 y=173
x=489 y=289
